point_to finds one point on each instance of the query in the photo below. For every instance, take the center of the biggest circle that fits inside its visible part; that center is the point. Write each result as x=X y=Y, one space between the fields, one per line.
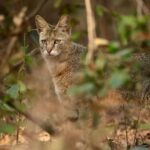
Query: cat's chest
x=61 y=66
x=57 y=68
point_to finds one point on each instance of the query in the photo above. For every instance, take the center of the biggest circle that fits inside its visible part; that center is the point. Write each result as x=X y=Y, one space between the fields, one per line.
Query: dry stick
x=142 y=105
x=145 y=9
x=18 y=128
x=9 y=50
x=91 y=31
x=126 y=129
x=14 y=38
x=141 y=8
x=142 y=101
x=137 y=125
x=19 y=29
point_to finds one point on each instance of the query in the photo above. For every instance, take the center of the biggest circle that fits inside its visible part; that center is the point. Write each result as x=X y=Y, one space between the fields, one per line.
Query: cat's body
x=63 y=69
x=60 y=53
x=63 y=56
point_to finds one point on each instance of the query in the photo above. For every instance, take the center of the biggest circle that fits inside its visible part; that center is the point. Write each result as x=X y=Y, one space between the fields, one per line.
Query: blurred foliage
x=129 y=25
x=114 y=66
x=7 y=128
x=111 y=71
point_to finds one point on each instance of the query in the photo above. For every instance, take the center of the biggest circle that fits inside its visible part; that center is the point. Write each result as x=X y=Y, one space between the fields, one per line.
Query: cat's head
x=53 y=40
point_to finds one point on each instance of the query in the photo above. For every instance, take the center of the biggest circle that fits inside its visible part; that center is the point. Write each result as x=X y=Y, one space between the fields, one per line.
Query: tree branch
x=91 y=31
x=19 y=63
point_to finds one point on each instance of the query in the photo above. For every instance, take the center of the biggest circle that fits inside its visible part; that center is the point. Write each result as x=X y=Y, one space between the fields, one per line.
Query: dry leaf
x=101 y=42
x=2 y=18
x=19 y=18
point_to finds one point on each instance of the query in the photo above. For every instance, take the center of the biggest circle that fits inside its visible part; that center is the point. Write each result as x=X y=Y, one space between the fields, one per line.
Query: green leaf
x=113 y=47
x=101 y=63
x=145 y=126
x=22 y=107
x=102 y=92
x=57 y=3
x=7 y=128
x=5 y=107
x=22 y=87
x=125 y=53
x=99 y=10
x=25 y=49
x=117 y=79
x=75 y=36
x=28 y=59
x=84 y=88
x=13 y=91
x=126 y=27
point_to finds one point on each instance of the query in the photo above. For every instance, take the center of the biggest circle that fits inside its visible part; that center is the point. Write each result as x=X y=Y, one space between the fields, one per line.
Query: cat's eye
x=57 y=41
x=43 y=41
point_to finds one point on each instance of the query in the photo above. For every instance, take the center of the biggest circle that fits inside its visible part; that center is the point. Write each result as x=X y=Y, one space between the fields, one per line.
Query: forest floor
x=115 y=130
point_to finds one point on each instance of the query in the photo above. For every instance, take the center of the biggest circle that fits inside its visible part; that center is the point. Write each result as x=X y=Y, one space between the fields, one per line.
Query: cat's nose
x=49 y=50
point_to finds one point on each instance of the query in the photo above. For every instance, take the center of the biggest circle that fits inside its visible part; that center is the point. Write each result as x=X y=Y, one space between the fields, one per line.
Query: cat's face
x=53 y=40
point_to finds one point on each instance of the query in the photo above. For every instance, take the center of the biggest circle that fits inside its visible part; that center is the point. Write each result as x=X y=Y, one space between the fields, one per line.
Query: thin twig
x=19 y=28
x=126 y=129
x=9 y=50
x=91 y=31
x=139 y=115
x=14 y=39
x=137 y=125
x=141 y=8
x=145 y=9
x=18 y=128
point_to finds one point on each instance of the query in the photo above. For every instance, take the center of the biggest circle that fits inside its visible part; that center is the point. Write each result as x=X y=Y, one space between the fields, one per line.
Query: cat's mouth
x=53 y=52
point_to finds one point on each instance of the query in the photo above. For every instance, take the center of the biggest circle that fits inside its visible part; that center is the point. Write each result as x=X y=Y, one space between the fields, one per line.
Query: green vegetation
x=120 y=65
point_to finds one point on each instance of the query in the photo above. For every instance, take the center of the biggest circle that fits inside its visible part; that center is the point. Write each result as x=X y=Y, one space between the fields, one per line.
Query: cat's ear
x=41 y=24
x=63 y=24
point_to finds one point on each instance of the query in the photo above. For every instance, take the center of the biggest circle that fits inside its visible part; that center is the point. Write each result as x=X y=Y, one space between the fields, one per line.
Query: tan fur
x=60 y=53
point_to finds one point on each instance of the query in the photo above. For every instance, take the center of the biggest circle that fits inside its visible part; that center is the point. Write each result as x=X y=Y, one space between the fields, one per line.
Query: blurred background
x=122 y=31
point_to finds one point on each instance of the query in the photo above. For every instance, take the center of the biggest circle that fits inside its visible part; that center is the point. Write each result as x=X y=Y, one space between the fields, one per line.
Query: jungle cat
x=60 y=53
x=63 y=58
